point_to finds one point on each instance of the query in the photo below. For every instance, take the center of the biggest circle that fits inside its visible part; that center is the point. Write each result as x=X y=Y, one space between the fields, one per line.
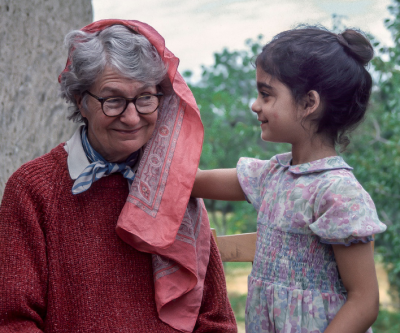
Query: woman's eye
x=145 y=97
x=264 y=94
x=114 y=102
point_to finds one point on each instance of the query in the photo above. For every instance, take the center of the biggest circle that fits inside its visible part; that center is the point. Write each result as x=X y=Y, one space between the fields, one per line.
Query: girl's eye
x=264 y=94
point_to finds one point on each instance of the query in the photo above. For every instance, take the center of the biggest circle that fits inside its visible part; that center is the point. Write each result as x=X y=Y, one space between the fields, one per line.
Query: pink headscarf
x=159 y=216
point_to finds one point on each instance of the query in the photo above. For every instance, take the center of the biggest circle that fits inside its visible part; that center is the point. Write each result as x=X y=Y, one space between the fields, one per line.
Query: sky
x=195 y=29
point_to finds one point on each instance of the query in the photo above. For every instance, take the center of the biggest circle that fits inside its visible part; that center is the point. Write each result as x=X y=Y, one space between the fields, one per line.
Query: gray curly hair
x=116 y=46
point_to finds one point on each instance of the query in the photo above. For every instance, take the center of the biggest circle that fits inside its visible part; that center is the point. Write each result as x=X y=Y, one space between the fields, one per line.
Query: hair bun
x=357 y=45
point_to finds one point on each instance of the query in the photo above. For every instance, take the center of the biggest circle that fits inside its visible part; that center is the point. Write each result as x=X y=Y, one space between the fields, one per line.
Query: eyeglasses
x=115 y=106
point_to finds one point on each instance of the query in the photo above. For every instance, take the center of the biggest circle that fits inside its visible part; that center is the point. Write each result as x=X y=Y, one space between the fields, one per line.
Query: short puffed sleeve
x=345 y=212
x=251 y=175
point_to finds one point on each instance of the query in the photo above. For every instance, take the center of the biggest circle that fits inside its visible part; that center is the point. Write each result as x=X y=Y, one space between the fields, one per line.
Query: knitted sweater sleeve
x=23 y=267
x=216 y=314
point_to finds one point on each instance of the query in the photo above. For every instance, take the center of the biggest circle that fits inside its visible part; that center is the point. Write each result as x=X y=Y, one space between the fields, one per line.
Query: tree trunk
x=32 y=54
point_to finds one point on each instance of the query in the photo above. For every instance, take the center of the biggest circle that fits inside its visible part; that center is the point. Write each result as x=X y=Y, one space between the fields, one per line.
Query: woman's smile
x=128 y=131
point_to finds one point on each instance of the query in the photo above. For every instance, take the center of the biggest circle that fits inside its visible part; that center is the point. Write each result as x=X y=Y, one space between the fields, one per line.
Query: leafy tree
x=224 y=95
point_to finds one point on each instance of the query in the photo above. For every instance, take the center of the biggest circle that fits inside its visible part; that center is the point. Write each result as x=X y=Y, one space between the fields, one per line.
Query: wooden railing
x=238 y=248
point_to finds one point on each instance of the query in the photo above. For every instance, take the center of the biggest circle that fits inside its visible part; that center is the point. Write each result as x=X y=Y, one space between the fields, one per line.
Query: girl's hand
x=357 y=270
x=218 y=184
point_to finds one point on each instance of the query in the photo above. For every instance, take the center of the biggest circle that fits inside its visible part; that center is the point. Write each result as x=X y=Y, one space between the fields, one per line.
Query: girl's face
x=277 y=111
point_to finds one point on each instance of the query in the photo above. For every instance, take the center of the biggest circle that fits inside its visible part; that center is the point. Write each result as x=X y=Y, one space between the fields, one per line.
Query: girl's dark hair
x=313 y=58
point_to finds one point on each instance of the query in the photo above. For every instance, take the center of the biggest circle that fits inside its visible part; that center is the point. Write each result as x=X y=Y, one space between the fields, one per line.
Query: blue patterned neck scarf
x=99 y=167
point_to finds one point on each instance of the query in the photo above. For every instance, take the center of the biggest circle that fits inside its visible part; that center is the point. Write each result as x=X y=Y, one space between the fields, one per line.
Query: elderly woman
x=100 y=234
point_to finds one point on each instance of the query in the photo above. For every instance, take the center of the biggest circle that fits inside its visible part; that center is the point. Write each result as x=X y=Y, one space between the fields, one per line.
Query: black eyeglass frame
x=102 y=100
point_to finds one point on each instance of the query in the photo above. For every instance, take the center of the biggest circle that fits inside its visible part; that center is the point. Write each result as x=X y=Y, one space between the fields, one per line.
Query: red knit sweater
x=64 y=269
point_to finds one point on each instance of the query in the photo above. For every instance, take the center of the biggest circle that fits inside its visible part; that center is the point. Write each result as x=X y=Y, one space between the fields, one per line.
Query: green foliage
x=224 y=95
x=237 y=299
x=387 y=322
x=238 y=303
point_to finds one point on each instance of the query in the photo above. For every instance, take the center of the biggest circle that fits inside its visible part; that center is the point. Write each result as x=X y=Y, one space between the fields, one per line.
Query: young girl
x=314 y=268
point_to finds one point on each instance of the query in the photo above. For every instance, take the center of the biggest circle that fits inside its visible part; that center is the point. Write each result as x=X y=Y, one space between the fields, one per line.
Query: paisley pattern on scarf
x=188 y=232
x=149 y=185
x=294 y=285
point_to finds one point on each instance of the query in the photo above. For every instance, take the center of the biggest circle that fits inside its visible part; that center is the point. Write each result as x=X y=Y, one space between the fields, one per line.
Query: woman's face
x=115 y=138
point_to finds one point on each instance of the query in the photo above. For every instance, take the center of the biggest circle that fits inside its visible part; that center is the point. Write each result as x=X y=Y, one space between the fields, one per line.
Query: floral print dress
x=294 y=285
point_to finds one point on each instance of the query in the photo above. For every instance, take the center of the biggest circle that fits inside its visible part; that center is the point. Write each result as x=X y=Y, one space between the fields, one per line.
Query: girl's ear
x=311 y=103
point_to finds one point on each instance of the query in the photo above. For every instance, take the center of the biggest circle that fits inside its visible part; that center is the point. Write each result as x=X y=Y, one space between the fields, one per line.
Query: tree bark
x=32 y=54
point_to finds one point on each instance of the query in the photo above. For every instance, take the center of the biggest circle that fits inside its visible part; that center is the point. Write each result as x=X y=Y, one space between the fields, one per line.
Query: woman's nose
x=130 y=116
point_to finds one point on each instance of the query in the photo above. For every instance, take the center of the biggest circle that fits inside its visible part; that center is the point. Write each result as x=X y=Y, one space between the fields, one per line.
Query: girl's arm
x=218 y=184
x=357 y=270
